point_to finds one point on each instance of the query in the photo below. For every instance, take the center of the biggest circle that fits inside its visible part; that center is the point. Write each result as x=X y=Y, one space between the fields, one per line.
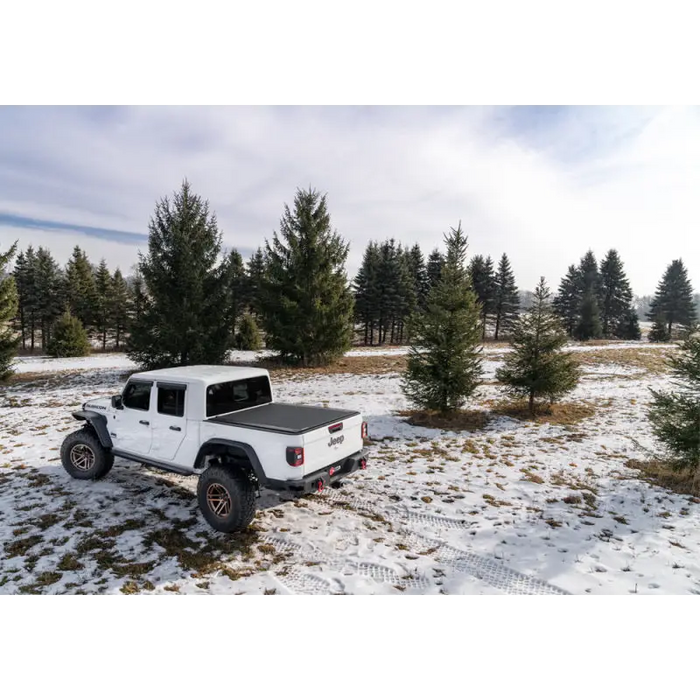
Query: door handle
x=144 y=422
x=175 y=427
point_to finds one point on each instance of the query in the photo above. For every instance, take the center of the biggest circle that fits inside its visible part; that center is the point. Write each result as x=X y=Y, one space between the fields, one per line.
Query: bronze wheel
x=82 y=457
x=219 y=500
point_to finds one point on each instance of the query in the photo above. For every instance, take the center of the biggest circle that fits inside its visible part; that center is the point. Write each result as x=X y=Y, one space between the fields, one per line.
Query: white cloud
x=594 y=178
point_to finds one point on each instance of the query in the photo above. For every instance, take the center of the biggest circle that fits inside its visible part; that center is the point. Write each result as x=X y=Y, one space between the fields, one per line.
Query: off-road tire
x=230 y=490
x=83 y=456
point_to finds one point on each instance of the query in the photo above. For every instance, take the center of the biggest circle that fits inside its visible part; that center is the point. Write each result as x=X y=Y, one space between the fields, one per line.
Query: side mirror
x=117 y=402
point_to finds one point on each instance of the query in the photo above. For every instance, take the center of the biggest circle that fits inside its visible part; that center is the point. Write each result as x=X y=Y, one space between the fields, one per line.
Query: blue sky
x=540 y=183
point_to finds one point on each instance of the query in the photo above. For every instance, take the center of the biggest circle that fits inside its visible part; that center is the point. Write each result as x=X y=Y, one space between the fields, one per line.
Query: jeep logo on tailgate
x=336 y=441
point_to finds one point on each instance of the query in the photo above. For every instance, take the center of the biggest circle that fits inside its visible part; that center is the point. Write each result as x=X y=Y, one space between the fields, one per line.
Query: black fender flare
x=98 y=421
x=242 y=446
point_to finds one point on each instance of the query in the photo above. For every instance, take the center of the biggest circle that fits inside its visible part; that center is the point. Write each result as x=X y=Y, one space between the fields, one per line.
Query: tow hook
x=319 y=486
x=363 y=464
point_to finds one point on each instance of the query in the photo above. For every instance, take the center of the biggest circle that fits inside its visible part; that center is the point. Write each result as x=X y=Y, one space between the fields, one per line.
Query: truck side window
x=171 y=401
x=137 y=395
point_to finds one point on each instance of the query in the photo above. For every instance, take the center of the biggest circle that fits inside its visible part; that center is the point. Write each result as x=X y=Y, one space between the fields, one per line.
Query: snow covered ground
x=517 y=507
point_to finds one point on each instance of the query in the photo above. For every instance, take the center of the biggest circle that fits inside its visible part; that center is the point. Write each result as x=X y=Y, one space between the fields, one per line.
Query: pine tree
x=119 y=307
x=675 y=415
x=255 y=273
x=444 y=362
x=419 y=274
x=507 y=299
x=589 y=275
x=673 y=301
x=49 y=293
x=26 y=278
x=366 y=289
x=102 y=312
x=20 y=275
x=80 y=287
x=69 y=338
x=615 y=294
x=236 y=286
x=628 y=326
x=567 y=303
x=248 y=336
x=537 y=367
x=659 y=330
x=484 y=282
x=307 y=303
x=9 y=340
x=434 y=267
x=589 y=326
x=138 y=298
x=181 y=320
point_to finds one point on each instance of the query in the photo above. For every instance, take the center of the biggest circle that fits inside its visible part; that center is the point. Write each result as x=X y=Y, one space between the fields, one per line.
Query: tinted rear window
x=232 y=396
x=171 y=401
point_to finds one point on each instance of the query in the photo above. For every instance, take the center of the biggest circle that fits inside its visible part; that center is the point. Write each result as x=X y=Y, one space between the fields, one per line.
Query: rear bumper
x=323 y=477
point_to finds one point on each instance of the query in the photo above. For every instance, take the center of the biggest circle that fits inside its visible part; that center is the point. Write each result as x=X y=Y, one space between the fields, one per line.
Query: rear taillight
x=295 y=456
x=364 y=429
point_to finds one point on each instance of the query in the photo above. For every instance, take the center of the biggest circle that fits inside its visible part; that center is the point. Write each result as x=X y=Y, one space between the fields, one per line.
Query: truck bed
x=286 y=418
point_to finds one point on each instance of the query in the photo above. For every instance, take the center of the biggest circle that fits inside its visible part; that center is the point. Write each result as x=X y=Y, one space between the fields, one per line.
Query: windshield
x=227 y=397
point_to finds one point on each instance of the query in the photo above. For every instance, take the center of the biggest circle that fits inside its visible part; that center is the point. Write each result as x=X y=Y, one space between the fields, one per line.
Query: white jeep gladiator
x=221 y=424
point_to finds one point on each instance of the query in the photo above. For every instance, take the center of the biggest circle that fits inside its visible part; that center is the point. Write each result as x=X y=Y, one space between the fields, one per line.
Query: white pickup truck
x=221 y=424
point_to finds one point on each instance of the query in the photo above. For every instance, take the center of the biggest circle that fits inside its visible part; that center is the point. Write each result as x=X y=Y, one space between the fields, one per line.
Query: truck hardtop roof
x=206 y=374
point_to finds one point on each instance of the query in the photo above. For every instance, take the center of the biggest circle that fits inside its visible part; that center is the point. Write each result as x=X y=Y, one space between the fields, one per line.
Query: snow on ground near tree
x=517 y=507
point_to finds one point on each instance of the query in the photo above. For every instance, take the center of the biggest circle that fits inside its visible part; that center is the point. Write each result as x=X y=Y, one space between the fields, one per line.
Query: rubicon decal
x=336 y=440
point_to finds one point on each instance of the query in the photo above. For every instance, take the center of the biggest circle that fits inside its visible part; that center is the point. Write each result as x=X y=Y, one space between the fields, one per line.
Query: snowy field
x=515 y=507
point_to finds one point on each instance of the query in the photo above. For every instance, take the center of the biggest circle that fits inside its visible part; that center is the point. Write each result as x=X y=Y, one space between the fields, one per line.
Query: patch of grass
x=47 y=520
x=664 y=474
x=558 y=413
x=572 y=499
x=69 y=562
x=426 y=499
x=130 y=588
x=459 y=420
x=19 y=548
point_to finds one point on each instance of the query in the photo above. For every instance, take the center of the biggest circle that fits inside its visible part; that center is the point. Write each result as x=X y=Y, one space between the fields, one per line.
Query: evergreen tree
x=615 y=294
x=537 y=367
x=675 y=415
x=26 y=277
x=119 y=307
x=507 y=299
x=366 y=288
x=419 y=274
x=589 y=276
x=444 y=362
x=181 y=320
x=137 y=299
x=9 y=340
x=485 y=285
x=589 y=326
x=255 y=272
x=673 y=301
x=628 y=326
x=434 y=267
x=80 y=287
x=307 y=303
x=248 y=336
x=236 y=286
x=69 y=338
x=659 y=330
x=20 y=276
x=102 y=312
x=49 y=293
x=567 y=303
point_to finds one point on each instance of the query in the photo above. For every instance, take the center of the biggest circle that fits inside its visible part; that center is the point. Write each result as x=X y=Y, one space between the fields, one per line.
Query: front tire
x=83 y=456
x=226 y=498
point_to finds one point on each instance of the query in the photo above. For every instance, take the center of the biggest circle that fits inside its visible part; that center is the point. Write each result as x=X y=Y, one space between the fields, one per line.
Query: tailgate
x=332 y=443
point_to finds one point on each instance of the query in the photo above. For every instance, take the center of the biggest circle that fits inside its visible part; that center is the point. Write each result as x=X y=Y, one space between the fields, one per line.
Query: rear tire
x=226 y=498
x=83 y=456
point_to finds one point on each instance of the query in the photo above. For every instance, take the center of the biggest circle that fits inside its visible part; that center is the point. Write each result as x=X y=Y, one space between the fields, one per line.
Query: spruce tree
x=307 y=304
x=181 y=320
x=80 y=288
x=615 y=294
x=444 y=361
x=248 y=336
x=485 y=284
x=537 y=368
x=434 y=267
x=20 y=276
x=49 y=293
x=659 y=330
x=419 y=274
x=589 y=275
x=507 y=299
x=69 y=338
x=119 y=307
x=673 y=302
x=9 y=341
x=589 y=325
x=27 y=283
x=628 y=326
x=236 y=286
x=366 y=289
x=675 y=414
x=102 y=312
x=255 y=273
x=567 y=303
